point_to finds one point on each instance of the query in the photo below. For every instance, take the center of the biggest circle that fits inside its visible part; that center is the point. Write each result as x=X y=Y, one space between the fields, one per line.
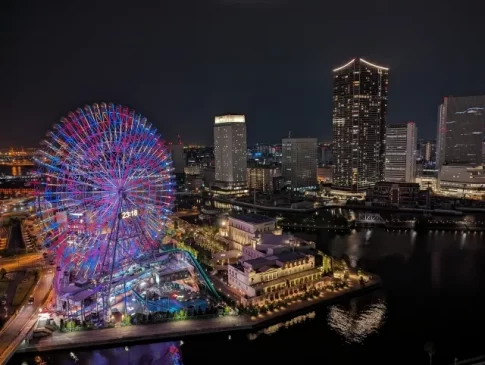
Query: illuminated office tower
x=464 y=127
x=441 y=135
x=230 y=154
x=359 y=124
x=401 y=142
x=299 y=162
x=461 y=125
x=178 y=158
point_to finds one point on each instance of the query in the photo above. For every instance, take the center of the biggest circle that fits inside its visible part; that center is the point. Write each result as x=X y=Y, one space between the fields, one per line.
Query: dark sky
x=180 y=63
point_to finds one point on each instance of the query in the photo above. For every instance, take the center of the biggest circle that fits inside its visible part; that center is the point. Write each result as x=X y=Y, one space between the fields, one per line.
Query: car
x=5 y=296
x=25 y=280
x=31 y=300
x=4 y=302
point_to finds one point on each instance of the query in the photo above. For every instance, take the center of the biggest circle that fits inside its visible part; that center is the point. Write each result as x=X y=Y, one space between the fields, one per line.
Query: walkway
x=159 y=331
x=182 y=328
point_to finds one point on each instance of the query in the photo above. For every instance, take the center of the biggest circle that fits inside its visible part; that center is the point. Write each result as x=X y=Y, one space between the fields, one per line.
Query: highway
x=9 y=336
x=21 y=262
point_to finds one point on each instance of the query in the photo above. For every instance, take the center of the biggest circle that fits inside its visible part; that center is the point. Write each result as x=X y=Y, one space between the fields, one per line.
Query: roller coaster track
x=199 y=268
x=163 y=307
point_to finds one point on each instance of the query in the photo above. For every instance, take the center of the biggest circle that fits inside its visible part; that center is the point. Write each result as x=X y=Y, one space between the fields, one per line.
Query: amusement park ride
x=104 y=200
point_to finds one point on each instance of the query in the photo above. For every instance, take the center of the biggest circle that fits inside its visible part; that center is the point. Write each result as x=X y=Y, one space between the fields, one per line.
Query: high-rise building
x=461 y=126
x=325 y=154
x=230 y=154
x=178 y=158
x=483 y=153
x=262 y=178
x=440 y=135
x=465 y=124
x=401 y=142
x=359 y=124
x=430 y=151
x=299 y=164
x=421 y=149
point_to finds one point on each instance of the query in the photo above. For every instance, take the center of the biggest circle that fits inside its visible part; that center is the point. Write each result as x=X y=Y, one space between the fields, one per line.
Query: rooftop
x=262 y=264
x=253 y=218
x=257 y=263
x=287 y=256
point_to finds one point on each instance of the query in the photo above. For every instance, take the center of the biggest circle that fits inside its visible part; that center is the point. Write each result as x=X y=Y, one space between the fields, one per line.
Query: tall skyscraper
x=359 y=124
x=230 y=154
x=299 y=164
x=440 y=135
x=401 y=142
x=464 y=128
x=178 y=158
x=430 y=151
x=461 y=126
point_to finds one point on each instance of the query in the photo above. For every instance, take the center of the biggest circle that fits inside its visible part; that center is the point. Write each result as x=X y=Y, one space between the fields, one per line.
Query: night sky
x=180 y=63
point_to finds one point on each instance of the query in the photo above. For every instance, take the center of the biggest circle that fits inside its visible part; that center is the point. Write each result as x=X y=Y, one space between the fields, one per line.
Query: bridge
x=369 y=218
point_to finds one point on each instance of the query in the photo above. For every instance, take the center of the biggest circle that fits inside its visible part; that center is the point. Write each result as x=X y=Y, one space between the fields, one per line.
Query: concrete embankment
x=184 y=328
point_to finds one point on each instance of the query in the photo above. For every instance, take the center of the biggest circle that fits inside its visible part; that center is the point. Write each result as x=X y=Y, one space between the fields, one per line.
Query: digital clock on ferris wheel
x=128 y=214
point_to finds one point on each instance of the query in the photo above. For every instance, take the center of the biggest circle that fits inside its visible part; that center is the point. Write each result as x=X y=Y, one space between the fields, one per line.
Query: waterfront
x=432 y=292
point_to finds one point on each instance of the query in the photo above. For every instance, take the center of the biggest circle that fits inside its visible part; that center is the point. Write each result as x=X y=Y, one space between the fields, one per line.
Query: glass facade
x=230 y=151
x=299 y=164
x=401 y=142
x=464 y=128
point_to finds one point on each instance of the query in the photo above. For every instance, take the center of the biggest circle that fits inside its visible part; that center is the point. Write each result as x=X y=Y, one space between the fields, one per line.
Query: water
x=433 y=288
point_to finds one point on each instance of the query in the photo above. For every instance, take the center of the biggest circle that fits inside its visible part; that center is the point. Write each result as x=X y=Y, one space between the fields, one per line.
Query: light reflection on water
x=356 y=325
x=285 y=324
x=165 y=353
x=418 y=271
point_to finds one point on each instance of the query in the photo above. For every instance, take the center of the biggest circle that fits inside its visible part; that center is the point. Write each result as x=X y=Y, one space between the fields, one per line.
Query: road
x=9 y=336
x=17 y=278
x=21 y=262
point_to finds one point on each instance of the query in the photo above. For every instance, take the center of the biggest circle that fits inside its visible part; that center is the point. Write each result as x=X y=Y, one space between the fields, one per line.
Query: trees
x=327 y=264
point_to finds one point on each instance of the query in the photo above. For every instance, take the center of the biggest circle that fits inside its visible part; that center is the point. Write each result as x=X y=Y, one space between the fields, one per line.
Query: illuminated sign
x=128 y=214
x=230 y=119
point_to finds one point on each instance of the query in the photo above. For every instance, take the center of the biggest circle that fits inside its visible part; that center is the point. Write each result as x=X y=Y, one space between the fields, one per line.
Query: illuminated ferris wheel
x=107 y=190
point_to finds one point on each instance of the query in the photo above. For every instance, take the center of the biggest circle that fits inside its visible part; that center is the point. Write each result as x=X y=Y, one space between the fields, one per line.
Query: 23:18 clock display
x=128 y=214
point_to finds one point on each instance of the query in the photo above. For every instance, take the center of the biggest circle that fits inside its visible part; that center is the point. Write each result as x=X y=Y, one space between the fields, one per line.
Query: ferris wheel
x=107 y=190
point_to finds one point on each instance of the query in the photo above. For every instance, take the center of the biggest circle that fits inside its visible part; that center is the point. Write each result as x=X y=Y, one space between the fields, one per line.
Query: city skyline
x=172 y=67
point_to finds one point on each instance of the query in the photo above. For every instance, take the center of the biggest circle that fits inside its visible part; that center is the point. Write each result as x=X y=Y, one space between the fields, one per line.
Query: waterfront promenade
x=182 y=328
